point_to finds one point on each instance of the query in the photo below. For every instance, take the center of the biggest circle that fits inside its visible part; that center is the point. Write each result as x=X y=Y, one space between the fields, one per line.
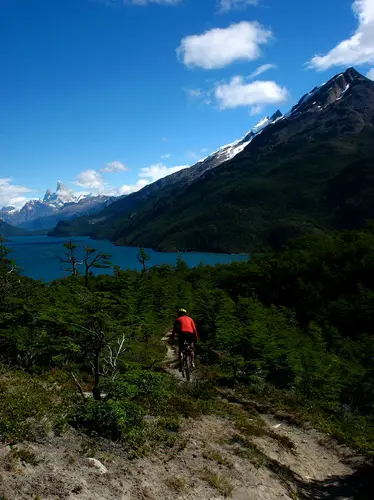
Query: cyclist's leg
x=191 y=341
x=193 y=354
x=181 y=339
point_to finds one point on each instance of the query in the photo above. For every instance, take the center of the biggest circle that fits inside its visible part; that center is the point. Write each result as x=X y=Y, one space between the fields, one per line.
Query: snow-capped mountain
x=231 y=150
x=289 y=175
x=61 y=196
x=55 y=206
x=183 y=177
x=215 y=159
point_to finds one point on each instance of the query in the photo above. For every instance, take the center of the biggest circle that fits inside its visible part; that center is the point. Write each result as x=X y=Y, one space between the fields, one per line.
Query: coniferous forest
x=293 y=329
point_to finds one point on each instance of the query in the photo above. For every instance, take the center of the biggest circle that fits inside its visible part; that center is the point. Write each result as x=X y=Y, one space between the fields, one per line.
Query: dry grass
x=219 y=482
x=215 y=456
x=248 y=450
x=20 y=456
x=177 y=483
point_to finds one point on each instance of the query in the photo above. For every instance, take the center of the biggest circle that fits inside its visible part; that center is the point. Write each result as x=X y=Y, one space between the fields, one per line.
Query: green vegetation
x=291 y=330
x=312 y=176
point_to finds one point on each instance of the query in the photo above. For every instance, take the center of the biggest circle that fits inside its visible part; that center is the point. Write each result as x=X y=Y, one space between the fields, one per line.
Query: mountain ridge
x=278 y=186
x=63 y=204
x=8 y=230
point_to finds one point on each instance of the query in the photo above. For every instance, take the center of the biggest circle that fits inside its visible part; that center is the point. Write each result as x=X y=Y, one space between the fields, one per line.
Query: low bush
x=29 y=408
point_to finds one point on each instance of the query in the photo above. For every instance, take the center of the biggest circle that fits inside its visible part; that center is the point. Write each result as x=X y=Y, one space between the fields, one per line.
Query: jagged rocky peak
x=47 y=195
x=60 y=196
x=262 y=124
x=329 y=92
x=276 y=115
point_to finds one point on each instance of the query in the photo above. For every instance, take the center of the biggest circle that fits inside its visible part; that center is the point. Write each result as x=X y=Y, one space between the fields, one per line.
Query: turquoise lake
x=36 y=255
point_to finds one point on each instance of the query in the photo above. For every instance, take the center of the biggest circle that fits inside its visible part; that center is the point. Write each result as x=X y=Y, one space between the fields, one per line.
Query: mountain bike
x=186 y=363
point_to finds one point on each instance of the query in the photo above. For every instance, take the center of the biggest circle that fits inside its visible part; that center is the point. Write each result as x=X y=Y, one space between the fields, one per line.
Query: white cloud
x=226 y=5
x=114 y=167
x=132 y=188
x=166 y=157
x=204 y=150
x=158 y=170
x=261 y=69
x=220 y=47
x=91 y=179
x=147 y=175
x=256 y=110
x=12 y=194
x=239 y=93
x=370 y=74
x=359 y=48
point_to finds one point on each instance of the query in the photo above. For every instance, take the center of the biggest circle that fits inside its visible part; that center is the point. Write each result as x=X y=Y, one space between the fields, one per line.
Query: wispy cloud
x=150 y=174
x=256 y=110
x=194 y=93
x=114 y=167
x=238 y=93
x=227 y=5
x=166 y=157
x=358 y=49
x=132 y=188
x=12 y=194
x=262 y=69
x=192 y=155
x=91 y=179
x=158 y=170
x=220 y=47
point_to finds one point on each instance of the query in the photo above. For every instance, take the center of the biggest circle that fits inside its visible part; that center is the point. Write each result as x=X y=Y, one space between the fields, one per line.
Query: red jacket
x=185 y=324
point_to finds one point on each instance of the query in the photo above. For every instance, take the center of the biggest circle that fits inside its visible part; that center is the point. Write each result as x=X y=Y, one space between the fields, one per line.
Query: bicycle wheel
x=188 y=368
x=183 y=366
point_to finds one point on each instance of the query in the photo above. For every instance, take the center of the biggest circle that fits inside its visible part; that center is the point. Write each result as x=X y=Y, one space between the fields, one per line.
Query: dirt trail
x=212 y=460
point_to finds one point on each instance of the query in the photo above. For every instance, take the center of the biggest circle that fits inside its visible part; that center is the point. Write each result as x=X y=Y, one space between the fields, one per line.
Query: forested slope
x=293 y=178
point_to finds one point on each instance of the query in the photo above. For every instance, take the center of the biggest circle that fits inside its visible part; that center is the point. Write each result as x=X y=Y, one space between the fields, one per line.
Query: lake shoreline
x=38 y=255
x=154 y=249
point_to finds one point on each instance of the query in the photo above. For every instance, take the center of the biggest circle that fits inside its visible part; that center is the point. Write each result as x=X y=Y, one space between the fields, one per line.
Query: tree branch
x=79 y=387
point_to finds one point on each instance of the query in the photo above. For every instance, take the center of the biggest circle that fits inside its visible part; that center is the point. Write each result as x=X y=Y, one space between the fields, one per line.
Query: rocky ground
x=262 y=458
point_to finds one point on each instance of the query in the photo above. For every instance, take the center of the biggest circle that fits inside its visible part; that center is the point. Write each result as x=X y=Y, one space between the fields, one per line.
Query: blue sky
x=108 y=95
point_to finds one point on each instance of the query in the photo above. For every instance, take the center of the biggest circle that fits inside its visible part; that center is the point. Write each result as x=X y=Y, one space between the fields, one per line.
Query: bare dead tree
x=103 y=365
x=110 y=363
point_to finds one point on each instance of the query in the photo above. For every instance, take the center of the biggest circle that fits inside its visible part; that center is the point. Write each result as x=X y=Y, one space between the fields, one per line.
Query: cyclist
x=185 y=328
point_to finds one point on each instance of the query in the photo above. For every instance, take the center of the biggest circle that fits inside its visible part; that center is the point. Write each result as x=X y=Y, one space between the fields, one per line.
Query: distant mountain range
x=8 y=230
x=60 y=205
x=311 y=170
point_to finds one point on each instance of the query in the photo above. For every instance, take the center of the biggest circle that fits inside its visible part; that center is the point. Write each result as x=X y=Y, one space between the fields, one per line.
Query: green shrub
x=110 y=418
x=28 y=408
